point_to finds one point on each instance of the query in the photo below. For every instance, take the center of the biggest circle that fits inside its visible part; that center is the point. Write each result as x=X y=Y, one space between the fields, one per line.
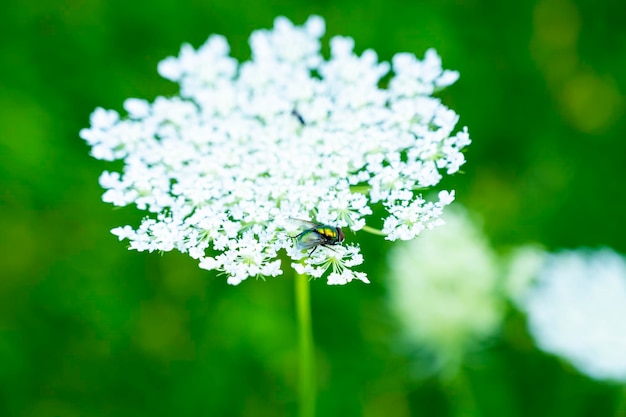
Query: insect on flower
x=298 y=116
x=318 y=234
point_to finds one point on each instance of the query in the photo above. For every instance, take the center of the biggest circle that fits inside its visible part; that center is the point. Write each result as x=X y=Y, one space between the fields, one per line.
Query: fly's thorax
x=328 y=232
x=331 y=234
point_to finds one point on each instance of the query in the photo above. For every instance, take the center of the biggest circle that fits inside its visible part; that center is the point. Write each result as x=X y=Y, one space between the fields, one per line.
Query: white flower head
x=576 y=310
x=244 y=147
x=523 y=265
x=444 y=292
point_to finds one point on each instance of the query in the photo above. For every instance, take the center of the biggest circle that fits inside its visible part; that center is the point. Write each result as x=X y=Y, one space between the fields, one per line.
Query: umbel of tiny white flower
x=224 y=167
x=576 y=309
x=443 y=290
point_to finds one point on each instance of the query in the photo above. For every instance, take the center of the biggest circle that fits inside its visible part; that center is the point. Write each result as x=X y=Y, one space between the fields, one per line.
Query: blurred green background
x=88 y=328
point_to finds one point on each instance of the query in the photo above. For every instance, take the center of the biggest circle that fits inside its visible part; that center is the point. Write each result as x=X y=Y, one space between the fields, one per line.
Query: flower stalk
x=373 y=231
x=306 y=399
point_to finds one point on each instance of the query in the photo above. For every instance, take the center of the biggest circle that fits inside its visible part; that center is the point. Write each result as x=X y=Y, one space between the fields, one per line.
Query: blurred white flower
x=577 y=310
x=222 y=167
x=444 y=290
x=523 y=264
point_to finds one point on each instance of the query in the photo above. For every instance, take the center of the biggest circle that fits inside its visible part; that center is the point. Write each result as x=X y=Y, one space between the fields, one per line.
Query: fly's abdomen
x=308 y=239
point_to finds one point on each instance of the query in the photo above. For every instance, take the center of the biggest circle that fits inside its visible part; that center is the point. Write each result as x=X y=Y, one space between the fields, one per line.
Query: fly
x=318 y=234
x=298 y=116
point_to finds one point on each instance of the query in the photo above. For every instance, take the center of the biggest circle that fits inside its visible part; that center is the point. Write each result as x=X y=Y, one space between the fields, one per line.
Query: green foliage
x=90 y=329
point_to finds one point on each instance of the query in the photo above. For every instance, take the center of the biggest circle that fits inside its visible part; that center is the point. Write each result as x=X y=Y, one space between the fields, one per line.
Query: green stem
x=373 y=231
x=461 y=396
x=305 y=339
x=620 y=410
x=362 y=189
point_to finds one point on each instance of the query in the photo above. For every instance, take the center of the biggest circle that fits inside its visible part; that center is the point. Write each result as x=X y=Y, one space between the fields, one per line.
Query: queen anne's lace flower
x=225 y=166
x=443 y=290
x=576 y=309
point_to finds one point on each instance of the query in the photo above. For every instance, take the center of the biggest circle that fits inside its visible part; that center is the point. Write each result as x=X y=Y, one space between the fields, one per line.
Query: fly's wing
x=308 y=239
x=304 y=224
